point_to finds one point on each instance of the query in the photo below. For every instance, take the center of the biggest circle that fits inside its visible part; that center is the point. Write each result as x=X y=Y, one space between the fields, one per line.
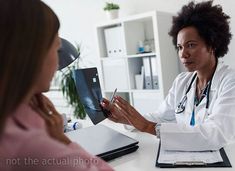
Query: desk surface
x=145 y=157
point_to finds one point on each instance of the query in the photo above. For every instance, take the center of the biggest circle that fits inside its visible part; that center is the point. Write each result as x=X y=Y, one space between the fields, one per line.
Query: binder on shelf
x=147 y=73
x=139 y=79
x=224 y=163
x=114 y=41
x=154 y=72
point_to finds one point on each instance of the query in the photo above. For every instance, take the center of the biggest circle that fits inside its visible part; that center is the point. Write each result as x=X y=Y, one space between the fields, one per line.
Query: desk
x=145 y=157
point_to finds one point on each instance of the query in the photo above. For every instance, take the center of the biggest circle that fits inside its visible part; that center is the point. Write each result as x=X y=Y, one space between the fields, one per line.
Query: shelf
x=122 y=67
x=129 y=56
x=145 y=91
x=134 y=91
x=140 y=17
x=141 y=55
x=111 y=58
x=118 y=91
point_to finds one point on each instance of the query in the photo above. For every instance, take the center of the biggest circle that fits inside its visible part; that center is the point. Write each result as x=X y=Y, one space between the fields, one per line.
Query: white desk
x=144 y=158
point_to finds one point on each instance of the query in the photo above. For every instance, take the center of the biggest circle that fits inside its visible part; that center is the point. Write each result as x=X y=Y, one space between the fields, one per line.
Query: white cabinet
x=120 y=50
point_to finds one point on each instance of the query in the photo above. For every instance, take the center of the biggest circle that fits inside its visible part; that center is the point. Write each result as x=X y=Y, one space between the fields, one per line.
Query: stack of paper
x=181 y=157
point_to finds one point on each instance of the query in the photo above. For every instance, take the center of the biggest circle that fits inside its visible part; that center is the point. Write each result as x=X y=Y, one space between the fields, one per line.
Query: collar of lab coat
x=216 y=78
x=217 y=75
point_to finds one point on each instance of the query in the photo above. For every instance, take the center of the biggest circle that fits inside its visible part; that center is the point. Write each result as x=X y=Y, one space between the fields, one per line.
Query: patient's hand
x=54 y=122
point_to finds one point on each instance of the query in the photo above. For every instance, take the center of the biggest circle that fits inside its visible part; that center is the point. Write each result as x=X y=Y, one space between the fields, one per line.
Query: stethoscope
x=181 y=106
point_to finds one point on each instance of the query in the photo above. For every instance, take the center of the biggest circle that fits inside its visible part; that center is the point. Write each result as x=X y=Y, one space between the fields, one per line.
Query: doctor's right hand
x=115 y=114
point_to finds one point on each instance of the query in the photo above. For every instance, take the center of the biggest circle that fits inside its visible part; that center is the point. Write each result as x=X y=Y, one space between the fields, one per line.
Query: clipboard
x=225 y=163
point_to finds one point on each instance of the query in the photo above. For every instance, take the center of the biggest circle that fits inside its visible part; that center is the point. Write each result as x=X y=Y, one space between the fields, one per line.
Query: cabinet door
x=115 y=74
x=146 y=102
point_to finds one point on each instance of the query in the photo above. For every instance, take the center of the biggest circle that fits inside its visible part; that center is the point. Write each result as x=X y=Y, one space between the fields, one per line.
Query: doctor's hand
x=123 y=111
x=54 y=122
x=115 y=114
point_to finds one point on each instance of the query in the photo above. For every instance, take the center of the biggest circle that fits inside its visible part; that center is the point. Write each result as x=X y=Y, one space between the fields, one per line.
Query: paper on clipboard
x=172 y=157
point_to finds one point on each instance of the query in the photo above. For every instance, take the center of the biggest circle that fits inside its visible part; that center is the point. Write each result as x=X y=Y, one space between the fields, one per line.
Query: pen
x=112 y=97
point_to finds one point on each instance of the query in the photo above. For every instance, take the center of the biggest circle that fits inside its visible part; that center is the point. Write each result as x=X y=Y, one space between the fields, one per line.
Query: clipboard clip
x=190 y=163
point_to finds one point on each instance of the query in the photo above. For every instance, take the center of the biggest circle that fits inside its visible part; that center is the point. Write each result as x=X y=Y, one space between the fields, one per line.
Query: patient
x=31 y=130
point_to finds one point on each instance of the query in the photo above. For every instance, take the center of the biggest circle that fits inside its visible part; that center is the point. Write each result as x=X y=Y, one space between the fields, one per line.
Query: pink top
x=25 y=145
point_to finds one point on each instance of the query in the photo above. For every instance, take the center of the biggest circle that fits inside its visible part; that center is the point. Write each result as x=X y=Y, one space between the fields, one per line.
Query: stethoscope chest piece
x=181 y=106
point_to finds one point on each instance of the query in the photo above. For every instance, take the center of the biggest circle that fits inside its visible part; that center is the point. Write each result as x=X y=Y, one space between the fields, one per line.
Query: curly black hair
x=210 y=21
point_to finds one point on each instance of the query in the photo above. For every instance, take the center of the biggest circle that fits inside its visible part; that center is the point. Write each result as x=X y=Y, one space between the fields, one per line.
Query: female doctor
x=199 y=111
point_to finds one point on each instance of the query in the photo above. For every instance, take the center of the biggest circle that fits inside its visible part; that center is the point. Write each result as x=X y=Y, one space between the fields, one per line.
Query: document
x=171 y=159
x=184 y=157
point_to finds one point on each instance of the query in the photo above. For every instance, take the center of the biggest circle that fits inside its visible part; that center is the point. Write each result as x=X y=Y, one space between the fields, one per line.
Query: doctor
x=199 y=111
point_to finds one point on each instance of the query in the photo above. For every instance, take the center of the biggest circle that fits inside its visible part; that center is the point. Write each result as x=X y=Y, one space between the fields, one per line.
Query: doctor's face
x=193 y=51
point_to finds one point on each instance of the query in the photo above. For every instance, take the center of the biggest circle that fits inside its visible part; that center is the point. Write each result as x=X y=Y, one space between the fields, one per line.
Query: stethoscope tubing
x=182 y=103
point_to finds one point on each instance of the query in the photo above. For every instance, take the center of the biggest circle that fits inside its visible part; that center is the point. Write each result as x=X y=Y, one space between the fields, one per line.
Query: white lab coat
x=214 y=127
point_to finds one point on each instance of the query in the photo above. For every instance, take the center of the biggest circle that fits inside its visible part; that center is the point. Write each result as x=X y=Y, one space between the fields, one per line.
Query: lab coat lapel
x=214 y=86
x=201 y=113
x=216 y=78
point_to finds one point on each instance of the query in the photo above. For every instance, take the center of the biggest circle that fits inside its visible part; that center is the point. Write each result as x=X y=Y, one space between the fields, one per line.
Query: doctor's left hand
x=133 y=116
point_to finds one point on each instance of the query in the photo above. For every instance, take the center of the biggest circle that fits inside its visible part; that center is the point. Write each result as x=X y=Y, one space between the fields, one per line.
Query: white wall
x=79 y=17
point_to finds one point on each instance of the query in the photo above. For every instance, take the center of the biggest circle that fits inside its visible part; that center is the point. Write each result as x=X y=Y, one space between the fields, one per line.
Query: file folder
x=147 y=73
x=153 y=61
x=225 y=163
x=114 y=41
